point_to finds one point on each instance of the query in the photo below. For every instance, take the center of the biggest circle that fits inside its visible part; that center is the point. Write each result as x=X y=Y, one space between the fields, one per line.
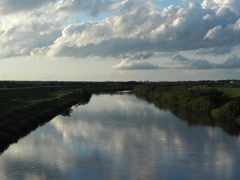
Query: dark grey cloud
x=199 y=64
x=185 y=63
x=179 y=58
x=13 y=6
x=92 y=7
x=231 y=63
x=141 y=56
x=215 y=51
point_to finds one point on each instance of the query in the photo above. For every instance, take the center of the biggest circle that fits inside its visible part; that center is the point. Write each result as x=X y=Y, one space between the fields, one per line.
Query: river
x=120 y=137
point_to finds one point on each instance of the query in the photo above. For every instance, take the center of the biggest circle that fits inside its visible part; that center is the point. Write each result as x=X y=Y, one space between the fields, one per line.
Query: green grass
x=17 y=99
x=234 y=93
x=7 y=95
x=24 y=109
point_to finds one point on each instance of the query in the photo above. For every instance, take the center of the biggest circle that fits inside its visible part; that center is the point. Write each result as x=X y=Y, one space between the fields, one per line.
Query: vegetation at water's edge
x=24 y=107
x=220 y=104
x=23 y=110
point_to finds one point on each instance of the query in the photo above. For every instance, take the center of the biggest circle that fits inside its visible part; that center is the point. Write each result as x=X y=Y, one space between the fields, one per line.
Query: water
x=119 y=137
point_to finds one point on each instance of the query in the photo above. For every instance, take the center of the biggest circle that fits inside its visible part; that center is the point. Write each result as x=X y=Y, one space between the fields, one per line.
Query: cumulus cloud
x=20 y=36
x=136 y=30
x=185 y=63
x=128 y=64
x=32 y=27
x=233 y=5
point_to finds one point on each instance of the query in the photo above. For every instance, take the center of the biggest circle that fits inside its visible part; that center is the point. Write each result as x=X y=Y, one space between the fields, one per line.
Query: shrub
x=228 y=112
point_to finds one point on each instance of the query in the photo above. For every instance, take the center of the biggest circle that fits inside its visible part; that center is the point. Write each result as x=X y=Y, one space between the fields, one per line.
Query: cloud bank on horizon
x=135 y=31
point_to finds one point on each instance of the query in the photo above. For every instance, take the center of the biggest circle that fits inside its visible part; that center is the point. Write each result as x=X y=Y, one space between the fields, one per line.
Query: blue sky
x=116 y=40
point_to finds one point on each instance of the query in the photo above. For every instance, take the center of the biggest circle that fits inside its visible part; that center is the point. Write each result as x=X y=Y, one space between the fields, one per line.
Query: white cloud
x=213 y=33
x=136 y=31
x=233 y=5
x=128 y=64
x=236 y=26
x=137 y=28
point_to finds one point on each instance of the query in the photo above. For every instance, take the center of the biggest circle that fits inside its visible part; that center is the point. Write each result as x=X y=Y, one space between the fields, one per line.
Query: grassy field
x=24 y=109
x=18 y=99
x=234 y=93
x=13 y=100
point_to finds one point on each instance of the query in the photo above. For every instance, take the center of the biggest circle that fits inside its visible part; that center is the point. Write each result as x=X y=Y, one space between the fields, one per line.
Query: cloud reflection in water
x=121 y=137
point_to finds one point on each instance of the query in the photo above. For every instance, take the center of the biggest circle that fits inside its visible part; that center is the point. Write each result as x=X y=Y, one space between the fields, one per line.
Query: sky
x=119 y=40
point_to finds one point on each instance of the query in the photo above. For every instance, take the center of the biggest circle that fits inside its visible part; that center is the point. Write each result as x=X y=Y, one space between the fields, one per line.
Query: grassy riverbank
x=24 y=109
x=221 y=104
x=230 y=111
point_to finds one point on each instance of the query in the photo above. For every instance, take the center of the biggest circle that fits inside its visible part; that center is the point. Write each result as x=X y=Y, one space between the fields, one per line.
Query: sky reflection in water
x=121 y=137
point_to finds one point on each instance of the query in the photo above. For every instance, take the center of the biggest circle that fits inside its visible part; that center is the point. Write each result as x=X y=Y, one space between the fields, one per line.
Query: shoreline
x=196 y=105
x=28 y=119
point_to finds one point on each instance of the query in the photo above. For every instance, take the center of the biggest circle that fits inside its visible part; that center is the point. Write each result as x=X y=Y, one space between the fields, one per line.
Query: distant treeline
x=63 y=84
x=90 y=84
x=194 y=99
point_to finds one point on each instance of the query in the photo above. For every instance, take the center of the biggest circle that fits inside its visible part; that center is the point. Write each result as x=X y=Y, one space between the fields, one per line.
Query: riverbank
x=24 y=109
x=217 y=106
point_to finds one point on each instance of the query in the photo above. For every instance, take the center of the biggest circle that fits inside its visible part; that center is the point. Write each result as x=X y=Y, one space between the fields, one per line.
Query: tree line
x=194 y=99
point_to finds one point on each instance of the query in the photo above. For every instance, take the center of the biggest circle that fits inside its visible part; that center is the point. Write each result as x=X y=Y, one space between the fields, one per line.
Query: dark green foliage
x=186 y=102
x=19 y=117
x=200 y=100
x=228 y=112
x=7 y=95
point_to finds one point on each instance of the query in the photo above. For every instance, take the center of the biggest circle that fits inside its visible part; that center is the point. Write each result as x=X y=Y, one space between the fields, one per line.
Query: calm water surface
x=119 y=137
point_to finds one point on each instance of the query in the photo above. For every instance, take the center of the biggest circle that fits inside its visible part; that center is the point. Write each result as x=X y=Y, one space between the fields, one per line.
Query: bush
x=228 y=112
